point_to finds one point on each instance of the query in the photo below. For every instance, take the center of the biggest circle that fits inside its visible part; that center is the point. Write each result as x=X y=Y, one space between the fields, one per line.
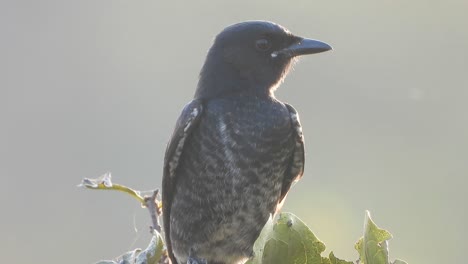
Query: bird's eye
x=262 y=44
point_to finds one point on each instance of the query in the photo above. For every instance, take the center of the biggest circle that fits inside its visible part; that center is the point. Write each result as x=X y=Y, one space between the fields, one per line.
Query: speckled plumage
x=235 y=150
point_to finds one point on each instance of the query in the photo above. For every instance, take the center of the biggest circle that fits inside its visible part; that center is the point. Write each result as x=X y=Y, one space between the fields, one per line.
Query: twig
x=104 y=182
x=151 y=203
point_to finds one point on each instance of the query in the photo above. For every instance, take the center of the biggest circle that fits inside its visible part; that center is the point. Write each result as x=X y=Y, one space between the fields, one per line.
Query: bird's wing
x=296 y=166
x=187 y=121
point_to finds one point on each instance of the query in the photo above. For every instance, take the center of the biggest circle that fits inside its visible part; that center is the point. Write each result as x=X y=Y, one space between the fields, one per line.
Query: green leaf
x=261 y=241
x=399 y=261
x=151 y=255
x=275 y=251
x=326 y=260
x=286 y=239
x=373 y=246
x=127 y=258
x=335 y=260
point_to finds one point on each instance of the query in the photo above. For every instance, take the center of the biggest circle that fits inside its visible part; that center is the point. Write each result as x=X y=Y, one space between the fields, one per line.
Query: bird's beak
x=303 y=46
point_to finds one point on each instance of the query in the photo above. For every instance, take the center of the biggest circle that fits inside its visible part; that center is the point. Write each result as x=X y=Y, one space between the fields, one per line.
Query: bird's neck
x=219 y=78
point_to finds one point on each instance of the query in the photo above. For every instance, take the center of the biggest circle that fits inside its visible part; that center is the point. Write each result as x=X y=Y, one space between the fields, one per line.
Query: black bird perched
x=236 y=149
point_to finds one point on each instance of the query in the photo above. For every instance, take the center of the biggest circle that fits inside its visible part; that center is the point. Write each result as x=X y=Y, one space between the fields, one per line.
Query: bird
x=236 y=149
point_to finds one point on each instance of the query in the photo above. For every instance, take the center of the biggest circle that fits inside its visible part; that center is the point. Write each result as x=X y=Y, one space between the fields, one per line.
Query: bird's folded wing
x=296 y=166
x=187 y=121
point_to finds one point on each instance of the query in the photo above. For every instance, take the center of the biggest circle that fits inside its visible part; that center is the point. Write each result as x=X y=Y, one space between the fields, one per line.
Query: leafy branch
x=284 y=239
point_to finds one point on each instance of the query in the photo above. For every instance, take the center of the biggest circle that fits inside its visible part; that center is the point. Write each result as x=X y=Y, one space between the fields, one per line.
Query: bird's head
x=252 y=57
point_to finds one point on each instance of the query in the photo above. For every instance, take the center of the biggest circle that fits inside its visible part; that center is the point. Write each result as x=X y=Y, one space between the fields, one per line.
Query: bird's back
x=230 y=176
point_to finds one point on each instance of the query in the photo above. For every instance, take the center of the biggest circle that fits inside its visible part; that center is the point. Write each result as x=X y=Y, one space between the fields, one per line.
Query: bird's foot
x=192 y=260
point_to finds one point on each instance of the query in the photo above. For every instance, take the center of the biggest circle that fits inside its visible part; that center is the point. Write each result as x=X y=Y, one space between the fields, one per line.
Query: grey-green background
x=94 y=86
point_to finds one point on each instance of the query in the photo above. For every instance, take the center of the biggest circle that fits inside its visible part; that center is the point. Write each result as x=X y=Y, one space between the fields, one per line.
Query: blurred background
x=93 y=86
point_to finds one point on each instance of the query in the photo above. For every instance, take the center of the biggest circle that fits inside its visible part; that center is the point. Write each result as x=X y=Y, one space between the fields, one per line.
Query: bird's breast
x=251 y=138
x=239 y=143
x=252 y=129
